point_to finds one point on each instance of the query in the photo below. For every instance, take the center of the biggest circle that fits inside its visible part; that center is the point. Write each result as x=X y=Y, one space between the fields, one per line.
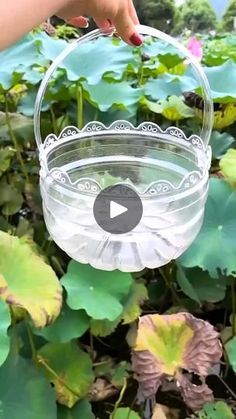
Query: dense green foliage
x=159 y=14
x=84 y=351
x=197 y=16
x=229 y=16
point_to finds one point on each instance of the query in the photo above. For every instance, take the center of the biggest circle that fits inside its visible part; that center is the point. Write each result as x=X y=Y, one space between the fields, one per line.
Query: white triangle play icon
x=116 y=209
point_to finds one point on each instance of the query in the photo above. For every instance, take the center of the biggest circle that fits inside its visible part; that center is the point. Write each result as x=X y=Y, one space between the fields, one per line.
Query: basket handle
x=207 y=122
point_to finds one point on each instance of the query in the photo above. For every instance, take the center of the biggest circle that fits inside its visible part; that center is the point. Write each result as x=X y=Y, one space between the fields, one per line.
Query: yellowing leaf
x=27 y=282
x=228 y=166
x=73 y=375
x=166 y=338
x=222 y=118
x=103 y=328
x=225 y=118
x=132 y=306
x=166 y=345
x=173 y=108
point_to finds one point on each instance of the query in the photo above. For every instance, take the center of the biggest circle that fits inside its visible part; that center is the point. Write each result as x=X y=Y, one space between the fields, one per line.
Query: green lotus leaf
x=22 y=127
x=219 y=50
x=220 y=143
x=73 y=374
x=121 y=95
x=33 y=76
x=215 y=247
x=200 y=286
x=25 y=392
x=27 y=102
x=4 y=339
x=223 y=89
x=169 y=85
x=169 y=55
x=125 y=413
x=98 y=292
x=12 y=64
x=82 y=410
x=93 y=59
x=27 y=282
x=69 y=325
x=218 y=410
x=48 y=47
x=231 y=352
x=10 y=200
x=228 y=166
x=6 y=155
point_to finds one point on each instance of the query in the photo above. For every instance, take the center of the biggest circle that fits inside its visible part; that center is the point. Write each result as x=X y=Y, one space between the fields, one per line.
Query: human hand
x=106 y=13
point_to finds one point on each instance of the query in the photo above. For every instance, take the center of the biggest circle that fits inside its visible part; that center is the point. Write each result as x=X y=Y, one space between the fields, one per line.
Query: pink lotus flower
x=196 y=48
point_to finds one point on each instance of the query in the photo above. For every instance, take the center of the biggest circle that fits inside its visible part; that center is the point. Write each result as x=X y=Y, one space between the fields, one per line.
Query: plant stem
x=31 y=341
x=15 y=337
x=233 y=307
x=80 y=110
x=91 y=346
x=170 y=286
x=54 y=121
x=56 y=376
x=226 y=386
x=14 y=141
x=122 y=392
x=96 y=114
x=57 y=265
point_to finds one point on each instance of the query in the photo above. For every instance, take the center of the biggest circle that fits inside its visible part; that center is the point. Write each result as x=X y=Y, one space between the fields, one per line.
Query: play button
x=118 y=209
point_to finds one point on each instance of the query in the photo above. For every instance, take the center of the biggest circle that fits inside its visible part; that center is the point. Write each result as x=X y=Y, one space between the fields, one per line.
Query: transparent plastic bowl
x=165 y=174
x=168 y=170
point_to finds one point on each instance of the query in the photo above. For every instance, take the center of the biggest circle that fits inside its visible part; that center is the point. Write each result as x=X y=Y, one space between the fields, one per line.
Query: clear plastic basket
x=167 y=170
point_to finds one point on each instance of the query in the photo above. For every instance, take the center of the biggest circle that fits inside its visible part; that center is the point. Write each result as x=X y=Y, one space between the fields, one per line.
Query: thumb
x=126 y=27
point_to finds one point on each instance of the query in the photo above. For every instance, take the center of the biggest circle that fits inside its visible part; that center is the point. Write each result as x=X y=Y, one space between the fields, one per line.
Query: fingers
x=103 y=23
x=125 y=26
x=79 y=21
x=133 y=13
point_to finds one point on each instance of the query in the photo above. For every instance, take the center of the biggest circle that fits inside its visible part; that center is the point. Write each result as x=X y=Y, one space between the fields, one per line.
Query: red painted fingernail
x=136 y=39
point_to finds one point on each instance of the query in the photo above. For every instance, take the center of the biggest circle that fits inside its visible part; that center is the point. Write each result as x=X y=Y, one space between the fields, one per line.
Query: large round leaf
x=169 y=85
x=73 y=374
x=99 y=293
x=223 y=89
x=173 y=108
x=220 y=143
x=231 y=352
x=92 y=60
x=5 y=321
x=167 y=344
x=125 y=413
x=25 y=392
x=105 y=95
x=228 y=166
x=26 y=281
x=214 y=249
x=12 y=61
x=69 y=325
x=218 y=410
x=200 y=286
x=81 y=410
